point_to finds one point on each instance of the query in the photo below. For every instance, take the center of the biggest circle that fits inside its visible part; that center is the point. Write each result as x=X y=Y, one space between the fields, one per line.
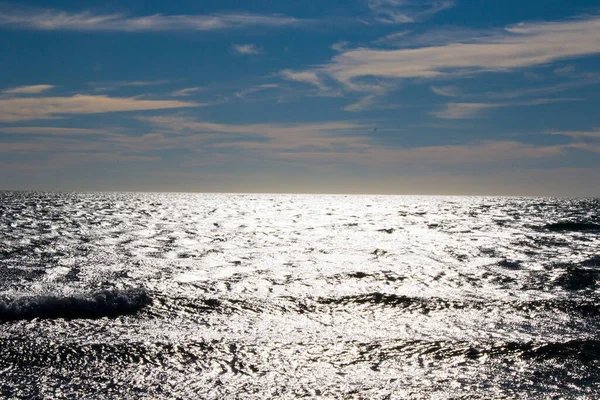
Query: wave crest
x=106 y=303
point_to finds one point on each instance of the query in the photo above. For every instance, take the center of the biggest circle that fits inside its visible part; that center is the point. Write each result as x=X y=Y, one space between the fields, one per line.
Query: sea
x=282 y=296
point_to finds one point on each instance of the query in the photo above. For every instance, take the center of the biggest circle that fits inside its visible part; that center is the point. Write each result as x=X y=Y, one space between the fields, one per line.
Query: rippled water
x=288 y=296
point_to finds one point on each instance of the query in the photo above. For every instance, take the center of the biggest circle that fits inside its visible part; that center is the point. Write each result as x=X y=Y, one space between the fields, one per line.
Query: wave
x=392 y=300
x=575 y=278
x=30 y=353
x=425 y=305
x=244 y=358
x=579 y=276
x=573 y=226
x=106 y=303
x=584 y=350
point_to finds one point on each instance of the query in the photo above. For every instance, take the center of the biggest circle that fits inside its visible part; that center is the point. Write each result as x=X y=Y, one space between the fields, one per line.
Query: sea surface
x=259 y=296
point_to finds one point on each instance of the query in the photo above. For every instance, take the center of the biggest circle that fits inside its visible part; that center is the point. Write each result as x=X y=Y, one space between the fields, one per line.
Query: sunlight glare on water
x=249 y=296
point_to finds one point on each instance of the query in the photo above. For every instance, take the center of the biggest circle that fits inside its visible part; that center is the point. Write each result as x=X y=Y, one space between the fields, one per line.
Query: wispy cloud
x=267 y=136
x=185 y=92
x=54 y=20
x=246 y=49
x=403 y=11
x=115 y=85
x=340 y=142
x=305 y=77
x=52 y=131
x=339 y=46
x=455 y=110
x=568 y=70
x=31 y=108
x=446 y=91
x=392 y=38
x=363 y=104
x=583 y=80
x=470 y=153
x=244 y=93
x=463 y=110
x=586 y=146
x=577 y=81
x=593 y=134
x=520 y=46
x=32 y=89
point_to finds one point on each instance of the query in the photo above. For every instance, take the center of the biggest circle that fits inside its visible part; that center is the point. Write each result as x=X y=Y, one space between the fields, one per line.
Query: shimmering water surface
x=119 y=295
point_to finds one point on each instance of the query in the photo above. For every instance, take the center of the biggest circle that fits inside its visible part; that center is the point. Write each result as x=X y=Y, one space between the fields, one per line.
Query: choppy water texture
x=290 y=296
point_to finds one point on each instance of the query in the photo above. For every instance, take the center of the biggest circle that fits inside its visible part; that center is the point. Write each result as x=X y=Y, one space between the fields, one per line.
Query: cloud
x=482 y=152
x=340 y=142
x=339 y=46
x=46 y=130
x=589 y=147
x=584 y=80
x=114 y=85
x=594 y=134
x=463 y=110
x=55 y=20
x=402 y=11
x=32 y=89
x=392 y=38
x=268 y=135
x=22 y=109
x=243 y=93
x=470 y=153
x=520 y=46
x=246 y=49
x=305 y=77
x=361 y=105
x=568 y=70
x=473 y=110
x=185 y=92
x=446 y=91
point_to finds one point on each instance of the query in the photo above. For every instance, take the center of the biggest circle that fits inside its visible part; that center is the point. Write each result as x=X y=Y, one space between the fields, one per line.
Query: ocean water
x=223 y=296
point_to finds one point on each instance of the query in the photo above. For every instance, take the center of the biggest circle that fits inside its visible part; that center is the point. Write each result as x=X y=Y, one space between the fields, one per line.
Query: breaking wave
x=106 y=303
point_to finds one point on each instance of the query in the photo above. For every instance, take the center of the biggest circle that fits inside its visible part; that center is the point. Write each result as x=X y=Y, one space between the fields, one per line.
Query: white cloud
x=243 y=93
x=402 y=11
x=268 y=135
x=246 y=49
x=51 y=20
x=304 y=76
x=185 y=92
x=482 y=152
x=46 y=130
x=568 y=70
x=114 y=85
x=463 y=110
x=517 y=47
x=593 y=134
x=473 y=110
x=30 y=108
x=446 y=91
x=339 y=46
x=361 y=105
x=32 y=89
x=543 y=90
x=338 y=142
x=392 y=38
x=469 y=153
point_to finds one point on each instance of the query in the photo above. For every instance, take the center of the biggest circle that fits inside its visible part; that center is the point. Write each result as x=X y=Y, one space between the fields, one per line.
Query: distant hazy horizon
x=324 y=192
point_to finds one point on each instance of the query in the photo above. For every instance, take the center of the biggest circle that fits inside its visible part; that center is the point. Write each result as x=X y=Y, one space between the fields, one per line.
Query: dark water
x=107 y=295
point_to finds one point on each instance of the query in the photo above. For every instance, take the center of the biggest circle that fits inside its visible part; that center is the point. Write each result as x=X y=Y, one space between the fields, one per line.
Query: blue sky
x=365 y=96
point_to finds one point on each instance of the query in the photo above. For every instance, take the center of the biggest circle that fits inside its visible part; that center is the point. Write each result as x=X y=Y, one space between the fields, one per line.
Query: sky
x=474 y=97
